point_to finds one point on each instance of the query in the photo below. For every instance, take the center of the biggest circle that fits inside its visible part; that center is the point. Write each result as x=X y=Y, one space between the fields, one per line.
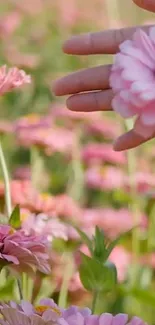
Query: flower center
x=33 y=118
x=41 y=309
x=11 y=231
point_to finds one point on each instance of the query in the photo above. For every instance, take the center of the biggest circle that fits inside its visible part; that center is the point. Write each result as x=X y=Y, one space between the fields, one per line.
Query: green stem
x=37 y=167
x=76 y=181
x=134 y=208
x=94 y=302
x=8 y=198
x=6 y=182
x=68 y=272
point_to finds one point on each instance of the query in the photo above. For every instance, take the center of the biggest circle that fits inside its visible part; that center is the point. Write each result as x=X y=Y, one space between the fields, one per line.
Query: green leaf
x=99 y=243
x=6 y=291
x=95 y=276
x=14 y=220
x=112 y=245
x=85 y=239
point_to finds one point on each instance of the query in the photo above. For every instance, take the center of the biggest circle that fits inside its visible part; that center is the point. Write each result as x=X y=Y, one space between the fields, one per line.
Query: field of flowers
x=81 y=216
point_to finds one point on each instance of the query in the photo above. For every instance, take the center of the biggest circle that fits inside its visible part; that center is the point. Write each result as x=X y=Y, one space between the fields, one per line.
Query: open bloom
x=49 y=313
x=13 y=78
x=133 y=80
x=23 y=251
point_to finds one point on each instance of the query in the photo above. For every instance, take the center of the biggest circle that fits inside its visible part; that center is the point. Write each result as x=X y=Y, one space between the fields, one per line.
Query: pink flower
x=45 y=226
x=51 y=139
x=72 y=315
x=23 y=251
x=102 y=152
x=113 y=222
x=45 y=313
x=5 y=127
x=104 y=127
x=122 y=260
x=22 y=173
x=9 y=23
x=49 y=313
x=133 y=80
x=13 y=78
x=104 y=178
x=32 y=122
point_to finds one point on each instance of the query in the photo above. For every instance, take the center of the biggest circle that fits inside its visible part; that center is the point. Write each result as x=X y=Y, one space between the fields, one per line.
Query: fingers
x=106 y=42
x=84 y=80
x=146 y=4
x=93 y=101
x=129 y=140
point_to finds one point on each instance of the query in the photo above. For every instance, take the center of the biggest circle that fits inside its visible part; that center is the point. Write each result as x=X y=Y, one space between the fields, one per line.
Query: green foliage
x=96 y=276
x=14 y=220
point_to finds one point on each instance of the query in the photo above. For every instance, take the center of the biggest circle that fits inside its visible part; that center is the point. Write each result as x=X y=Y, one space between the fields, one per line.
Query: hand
x=90 y=88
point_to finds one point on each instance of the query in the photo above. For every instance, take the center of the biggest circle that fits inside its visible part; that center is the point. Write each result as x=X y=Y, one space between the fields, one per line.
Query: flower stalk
x=8 y=199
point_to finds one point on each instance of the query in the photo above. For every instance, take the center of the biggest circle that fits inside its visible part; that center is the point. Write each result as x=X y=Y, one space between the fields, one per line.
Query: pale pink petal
x=120 y=107
x=11 y=258
x=143 y=130
x=106 y=319
x=36 y=320
x=120 y=319
x=27 y=308
x=15 y=317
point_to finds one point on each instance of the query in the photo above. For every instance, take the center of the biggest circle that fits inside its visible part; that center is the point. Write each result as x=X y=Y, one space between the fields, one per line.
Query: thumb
x=146 y=4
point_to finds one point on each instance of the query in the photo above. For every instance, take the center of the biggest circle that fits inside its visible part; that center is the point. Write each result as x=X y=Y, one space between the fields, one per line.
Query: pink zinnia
x=133 y=80
x=13 y=78
x=49 y=313
x=102 y=152
x=24 y=252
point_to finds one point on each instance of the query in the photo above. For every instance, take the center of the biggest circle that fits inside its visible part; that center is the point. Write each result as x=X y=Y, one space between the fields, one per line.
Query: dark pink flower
x=24 y=252
x=22 y=173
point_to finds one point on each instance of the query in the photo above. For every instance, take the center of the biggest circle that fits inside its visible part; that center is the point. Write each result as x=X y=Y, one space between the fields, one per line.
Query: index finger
x=106 y=42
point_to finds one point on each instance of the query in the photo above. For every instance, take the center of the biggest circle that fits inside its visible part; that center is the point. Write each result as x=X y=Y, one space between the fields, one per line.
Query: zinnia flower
x=102 y=152
x=13 y=78
x=133 y=80
x=49 y=313
x=23 y=251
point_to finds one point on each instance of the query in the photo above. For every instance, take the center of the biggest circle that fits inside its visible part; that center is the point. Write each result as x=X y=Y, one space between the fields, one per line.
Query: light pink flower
x=5 y=127
x=20 y=59
x=104 y=178
x=9 y=23
x=45 y=226
x=133 y=80
x=13 y=78
x=50 y=139
x=23 y=251
x=32 y=122
x=113 y=222
x=47 y=312
x=122 y=260
x=106 y=128
x=102 y=152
